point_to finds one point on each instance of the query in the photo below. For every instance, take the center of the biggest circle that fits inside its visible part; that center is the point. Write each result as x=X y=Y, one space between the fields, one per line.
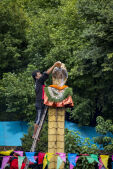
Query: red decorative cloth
x=68 y=102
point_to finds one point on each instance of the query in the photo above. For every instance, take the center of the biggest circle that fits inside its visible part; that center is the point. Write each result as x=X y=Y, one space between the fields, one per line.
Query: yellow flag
x=104 y=159
x=7 y=153
x=47 y=158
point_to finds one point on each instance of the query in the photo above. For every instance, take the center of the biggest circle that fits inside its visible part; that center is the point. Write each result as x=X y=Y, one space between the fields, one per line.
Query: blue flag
x=72 y=158
x=30 y=156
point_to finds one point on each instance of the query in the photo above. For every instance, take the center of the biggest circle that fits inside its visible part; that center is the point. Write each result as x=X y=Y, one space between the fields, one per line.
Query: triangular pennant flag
x=90 y=159
x=4 y=161
x=7 y=153
x=59 y=162
x=20 y=160
x=19 y=152
x=95 y=157
x=72 y=158
x=40 y=157
x=100 y=163
x=112 y=165
x=47 y=158
x=63 y=156
x=71 y=166
x=30 y=156
x=104 y=159
x=77 y=157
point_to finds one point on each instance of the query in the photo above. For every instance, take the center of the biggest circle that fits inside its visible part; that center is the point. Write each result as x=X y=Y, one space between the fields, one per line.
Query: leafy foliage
x=19 y=95
x=78 y=33
x=14 y=23
x=105 y=140
x=42 y=143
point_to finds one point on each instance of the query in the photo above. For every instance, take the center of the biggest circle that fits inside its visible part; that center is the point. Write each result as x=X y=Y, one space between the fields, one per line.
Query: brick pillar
x=56 y=125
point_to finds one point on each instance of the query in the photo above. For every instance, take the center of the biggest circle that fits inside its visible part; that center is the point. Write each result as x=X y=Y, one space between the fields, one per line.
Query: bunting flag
x=19 y=152
x=59 y=162
x=6 y=153
x=47 y=158
x=20 y=160
x=112 y=162
x=77 y=157
x=95 y=157
x=72 y=159
x=4 y=161
x=63 y=156
x=104 y=159
x=30 y=156
x=40 y=157
x=100 y=163
x=92 y=158
x=71 y=166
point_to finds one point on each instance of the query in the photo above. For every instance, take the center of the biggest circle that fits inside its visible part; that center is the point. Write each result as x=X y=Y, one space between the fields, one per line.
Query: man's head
x=36 y=74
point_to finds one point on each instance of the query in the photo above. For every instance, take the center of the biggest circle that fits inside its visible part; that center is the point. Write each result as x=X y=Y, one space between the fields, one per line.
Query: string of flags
x=45 y=158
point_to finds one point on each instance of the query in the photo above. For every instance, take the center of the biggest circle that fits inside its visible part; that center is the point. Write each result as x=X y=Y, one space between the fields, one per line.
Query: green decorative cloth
x=56 y=95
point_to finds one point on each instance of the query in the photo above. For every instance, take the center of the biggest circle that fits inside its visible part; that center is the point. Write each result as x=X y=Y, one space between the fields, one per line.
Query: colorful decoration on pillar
x=58 y=94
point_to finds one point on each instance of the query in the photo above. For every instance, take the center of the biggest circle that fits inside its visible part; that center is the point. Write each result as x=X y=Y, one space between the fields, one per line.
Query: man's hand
x=57 y=64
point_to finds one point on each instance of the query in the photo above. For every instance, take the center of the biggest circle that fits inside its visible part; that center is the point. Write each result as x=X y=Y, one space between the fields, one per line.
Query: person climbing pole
x=39 y=89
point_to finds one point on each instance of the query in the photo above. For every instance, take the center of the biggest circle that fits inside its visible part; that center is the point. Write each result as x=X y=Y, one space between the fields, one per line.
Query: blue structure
x=11 y=132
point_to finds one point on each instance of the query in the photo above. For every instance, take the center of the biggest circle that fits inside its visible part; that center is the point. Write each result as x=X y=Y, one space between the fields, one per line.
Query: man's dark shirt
x=39 y=88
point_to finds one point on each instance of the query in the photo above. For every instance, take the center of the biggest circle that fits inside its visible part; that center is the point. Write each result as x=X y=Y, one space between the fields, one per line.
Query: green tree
x=105 y=128
x=92 y=72
x=13 y=25
x=17 y=91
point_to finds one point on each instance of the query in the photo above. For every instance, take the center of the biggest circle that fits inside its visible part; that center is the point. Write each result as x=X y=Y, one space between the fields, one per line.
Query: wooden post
x=56 y=125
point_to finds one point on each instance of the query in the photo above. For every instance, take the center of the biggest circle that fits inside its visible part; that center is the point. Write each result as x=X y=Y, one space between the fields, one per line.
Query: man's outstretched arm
x=56 y=64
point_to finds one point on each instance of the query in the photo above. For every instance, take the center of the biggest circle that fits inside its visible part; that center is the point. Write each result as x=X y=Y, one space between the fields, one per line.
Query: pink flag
x=19 y=152
x=100 y=164
x=62 y=156
x=76 y=158
x=4 y=161
x=71 y=166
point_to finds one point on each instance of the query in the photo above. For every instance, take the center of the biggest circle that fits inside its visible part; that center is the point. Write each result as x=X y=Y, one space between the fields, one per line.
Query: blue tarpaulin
x=11 y=132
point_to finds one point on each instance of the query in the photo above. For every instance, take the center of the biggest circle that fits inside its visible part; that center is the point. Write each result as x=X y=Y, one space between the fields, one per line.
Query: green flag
x=20 y=160
x=59 y=162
